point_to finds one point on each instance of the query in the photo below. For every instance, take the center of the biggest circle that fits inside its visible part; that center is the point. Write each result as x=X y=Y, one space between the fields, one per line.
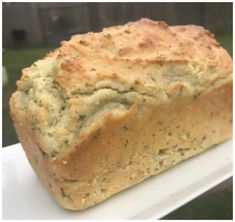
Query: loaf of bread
x=107 y=110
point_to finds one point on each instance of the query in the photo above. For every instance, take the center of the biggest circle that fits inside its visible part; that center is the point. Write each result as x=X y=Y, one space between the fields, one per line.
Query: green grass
x=14 y=60
x=227 y=43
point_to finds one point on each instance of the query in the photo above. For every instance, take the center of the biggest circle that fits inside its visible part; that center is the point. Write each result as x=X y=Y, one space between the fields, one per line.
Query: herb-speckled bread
x=107 y=110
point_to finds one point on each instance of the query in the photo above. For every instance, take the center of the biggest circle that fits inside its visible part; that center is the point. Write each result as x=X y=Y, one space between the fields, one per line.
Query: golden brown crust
x=141 y=43
x=138 y=44
x=107 y=110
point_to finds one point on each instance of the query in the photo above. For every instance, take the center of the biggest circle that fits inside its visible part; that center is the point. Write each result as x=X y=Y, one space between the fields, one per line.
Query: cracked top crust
x=69 y=93
x=135 y=52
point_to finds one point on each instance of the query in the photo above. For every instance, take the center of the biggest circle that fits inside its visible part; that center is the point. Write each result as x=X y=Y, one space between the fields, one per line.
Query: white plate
x=25 y=198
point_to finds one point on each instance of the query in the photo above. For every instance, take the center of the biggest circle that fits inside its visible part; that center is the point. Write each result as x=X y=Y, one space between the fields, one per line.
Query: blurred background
x=30 y=30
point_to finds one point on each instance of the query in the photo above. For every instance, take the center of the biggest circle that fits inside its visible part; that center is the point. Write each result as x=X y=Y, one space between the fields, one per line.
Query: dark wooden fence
x=49 y=23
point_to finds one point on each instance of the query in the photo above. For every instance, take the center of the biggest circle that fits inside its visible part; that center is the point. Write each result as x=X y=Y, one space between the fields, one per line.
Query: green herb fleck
x=126 y=143
x=125 y=128
x=82 y=117
x=54 y=153
x=63 y=193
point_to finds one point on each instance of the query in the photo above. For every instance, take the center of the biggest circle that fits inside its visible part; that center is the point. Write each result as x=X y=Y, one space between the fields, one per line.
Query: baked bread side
x=107 y=110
